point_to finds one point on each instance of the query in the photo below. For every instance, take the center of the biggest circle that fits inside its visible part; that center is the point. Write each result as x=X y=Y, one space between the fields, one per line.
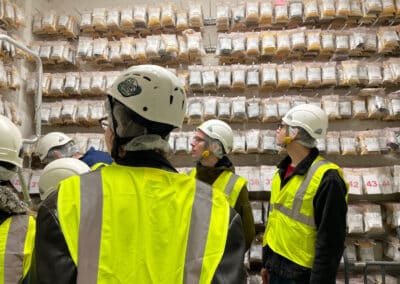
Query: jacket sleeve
x=243 y=207
x=231 y=269
x=330 y=209
x=51 y=261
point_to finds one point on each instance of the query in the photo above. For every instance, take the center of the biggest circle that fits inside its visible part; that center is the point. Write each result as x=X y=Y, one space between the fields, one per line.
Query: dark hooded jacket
x=242 y=206
x=10 y=206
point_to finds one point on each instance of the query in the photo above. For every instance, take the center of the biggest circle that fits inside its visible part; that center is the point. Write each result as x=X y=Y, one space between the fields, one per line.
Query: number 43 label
x=371 y=184
x=377 y=184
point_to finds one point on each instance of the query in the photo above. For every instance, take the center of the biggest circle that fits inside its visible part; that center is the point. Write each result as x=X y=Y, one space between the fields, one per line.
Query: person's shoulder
x=334 y=176
x=93 y=156
x=93 y=151
x=332 y=173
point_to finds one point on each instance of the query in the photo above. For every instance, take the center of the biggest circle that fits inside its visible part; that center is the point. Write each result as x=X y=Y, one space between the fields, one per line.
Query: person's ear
x=214 y=147
x=57 y=155
x=295 y=132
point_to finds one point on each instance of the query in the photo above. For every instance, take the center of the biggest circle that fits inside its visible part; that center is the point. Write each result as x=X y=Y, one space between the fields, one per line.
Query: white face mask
x=6 y=174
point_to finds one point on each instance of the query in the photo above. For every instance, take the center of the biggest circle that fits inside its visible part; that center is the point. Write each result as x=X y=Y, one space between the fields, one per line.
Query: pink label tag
x=280 y=2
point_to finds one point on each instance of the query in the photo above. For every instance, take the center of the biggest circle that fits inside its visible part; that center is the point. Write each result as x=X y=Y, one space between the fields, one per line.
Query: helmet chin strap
x=204 y=155
x=288 y=139
x=115 y=142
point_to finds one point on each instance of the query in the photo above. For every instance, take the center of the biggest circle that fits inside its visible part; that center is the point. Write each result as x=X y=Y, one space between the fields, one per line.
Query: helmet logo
x=129 y=87
x=318 y=131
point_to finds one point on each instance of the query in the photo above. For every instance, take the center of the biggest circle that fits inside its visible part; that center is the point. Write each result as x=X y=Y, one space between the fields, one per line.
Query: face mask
x=6 y=174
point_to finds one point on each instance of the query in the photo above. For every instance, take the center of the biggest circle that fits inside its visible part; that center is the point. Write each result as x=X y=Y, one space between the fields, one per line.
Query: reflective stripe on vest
x=16 y=228
x=198 y=234
x=230 y=183
x=90 y=230
x=295 y=213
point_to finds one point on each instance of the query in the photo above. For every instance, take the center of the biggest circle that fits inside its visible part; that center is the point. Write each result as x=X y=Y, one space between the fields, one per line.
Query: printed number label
x=255 y=182
x=372 y=183
x=354 y=184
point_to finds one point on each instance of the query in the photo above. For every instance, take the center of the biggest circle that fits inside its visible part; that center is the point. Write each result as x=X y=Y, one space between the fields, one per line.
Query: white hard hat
x=57 y=171
x=309 y=117
x=152 y=92
x=219 y=130
x=51 y=140
x=10 y=142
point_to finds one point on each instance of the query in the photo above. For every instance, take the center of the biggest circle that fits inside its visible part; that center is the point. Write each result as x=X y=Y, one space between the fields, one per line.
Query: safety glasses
x=104 y=123
x=280 y=126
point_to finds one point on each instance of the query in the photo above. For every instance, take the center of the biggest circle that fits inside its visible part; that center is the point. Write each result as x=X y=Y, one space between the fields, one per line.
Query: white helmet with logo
x=152 y=92
x=49 y=141
x=309 y=117
x=57 y=171
x=10 y=142
x=219 y=130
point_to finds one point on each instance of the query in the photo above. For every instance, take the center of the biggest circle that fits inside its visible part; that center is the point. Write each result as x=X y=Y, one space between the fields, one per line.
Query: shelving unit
x=370 y=18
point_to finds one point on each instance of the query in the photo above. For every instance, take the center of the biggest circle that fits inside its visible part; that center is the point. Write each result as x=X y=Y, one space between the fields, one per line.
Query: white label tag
x=371 y=184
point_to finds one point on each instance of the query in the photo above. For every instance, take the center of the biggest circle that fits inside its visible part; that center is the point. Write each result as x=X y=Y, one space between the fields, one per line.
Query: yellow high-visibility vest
x=142 y=225
x=291 y=230
x=229 y=183
x=17 y=238
x=98 y=165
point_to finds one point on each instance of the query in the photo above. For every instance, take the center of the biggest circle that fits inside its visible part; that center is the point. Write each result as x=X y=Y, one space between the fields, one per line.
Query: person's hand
x=264 y=276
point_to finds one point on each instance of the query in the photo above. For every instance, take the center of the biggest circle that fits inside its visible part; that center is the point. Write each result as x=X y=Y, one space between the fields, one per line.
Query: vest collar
x=210 y=174
x=147 y=158
x=302 y=167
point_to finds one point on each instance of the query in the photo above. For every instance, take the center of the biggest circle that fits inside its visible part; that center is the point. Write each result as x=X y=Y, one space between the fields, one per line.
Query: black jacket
x=242 y=206
x=330 y=209
x=10 y=205
x=50 y=244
